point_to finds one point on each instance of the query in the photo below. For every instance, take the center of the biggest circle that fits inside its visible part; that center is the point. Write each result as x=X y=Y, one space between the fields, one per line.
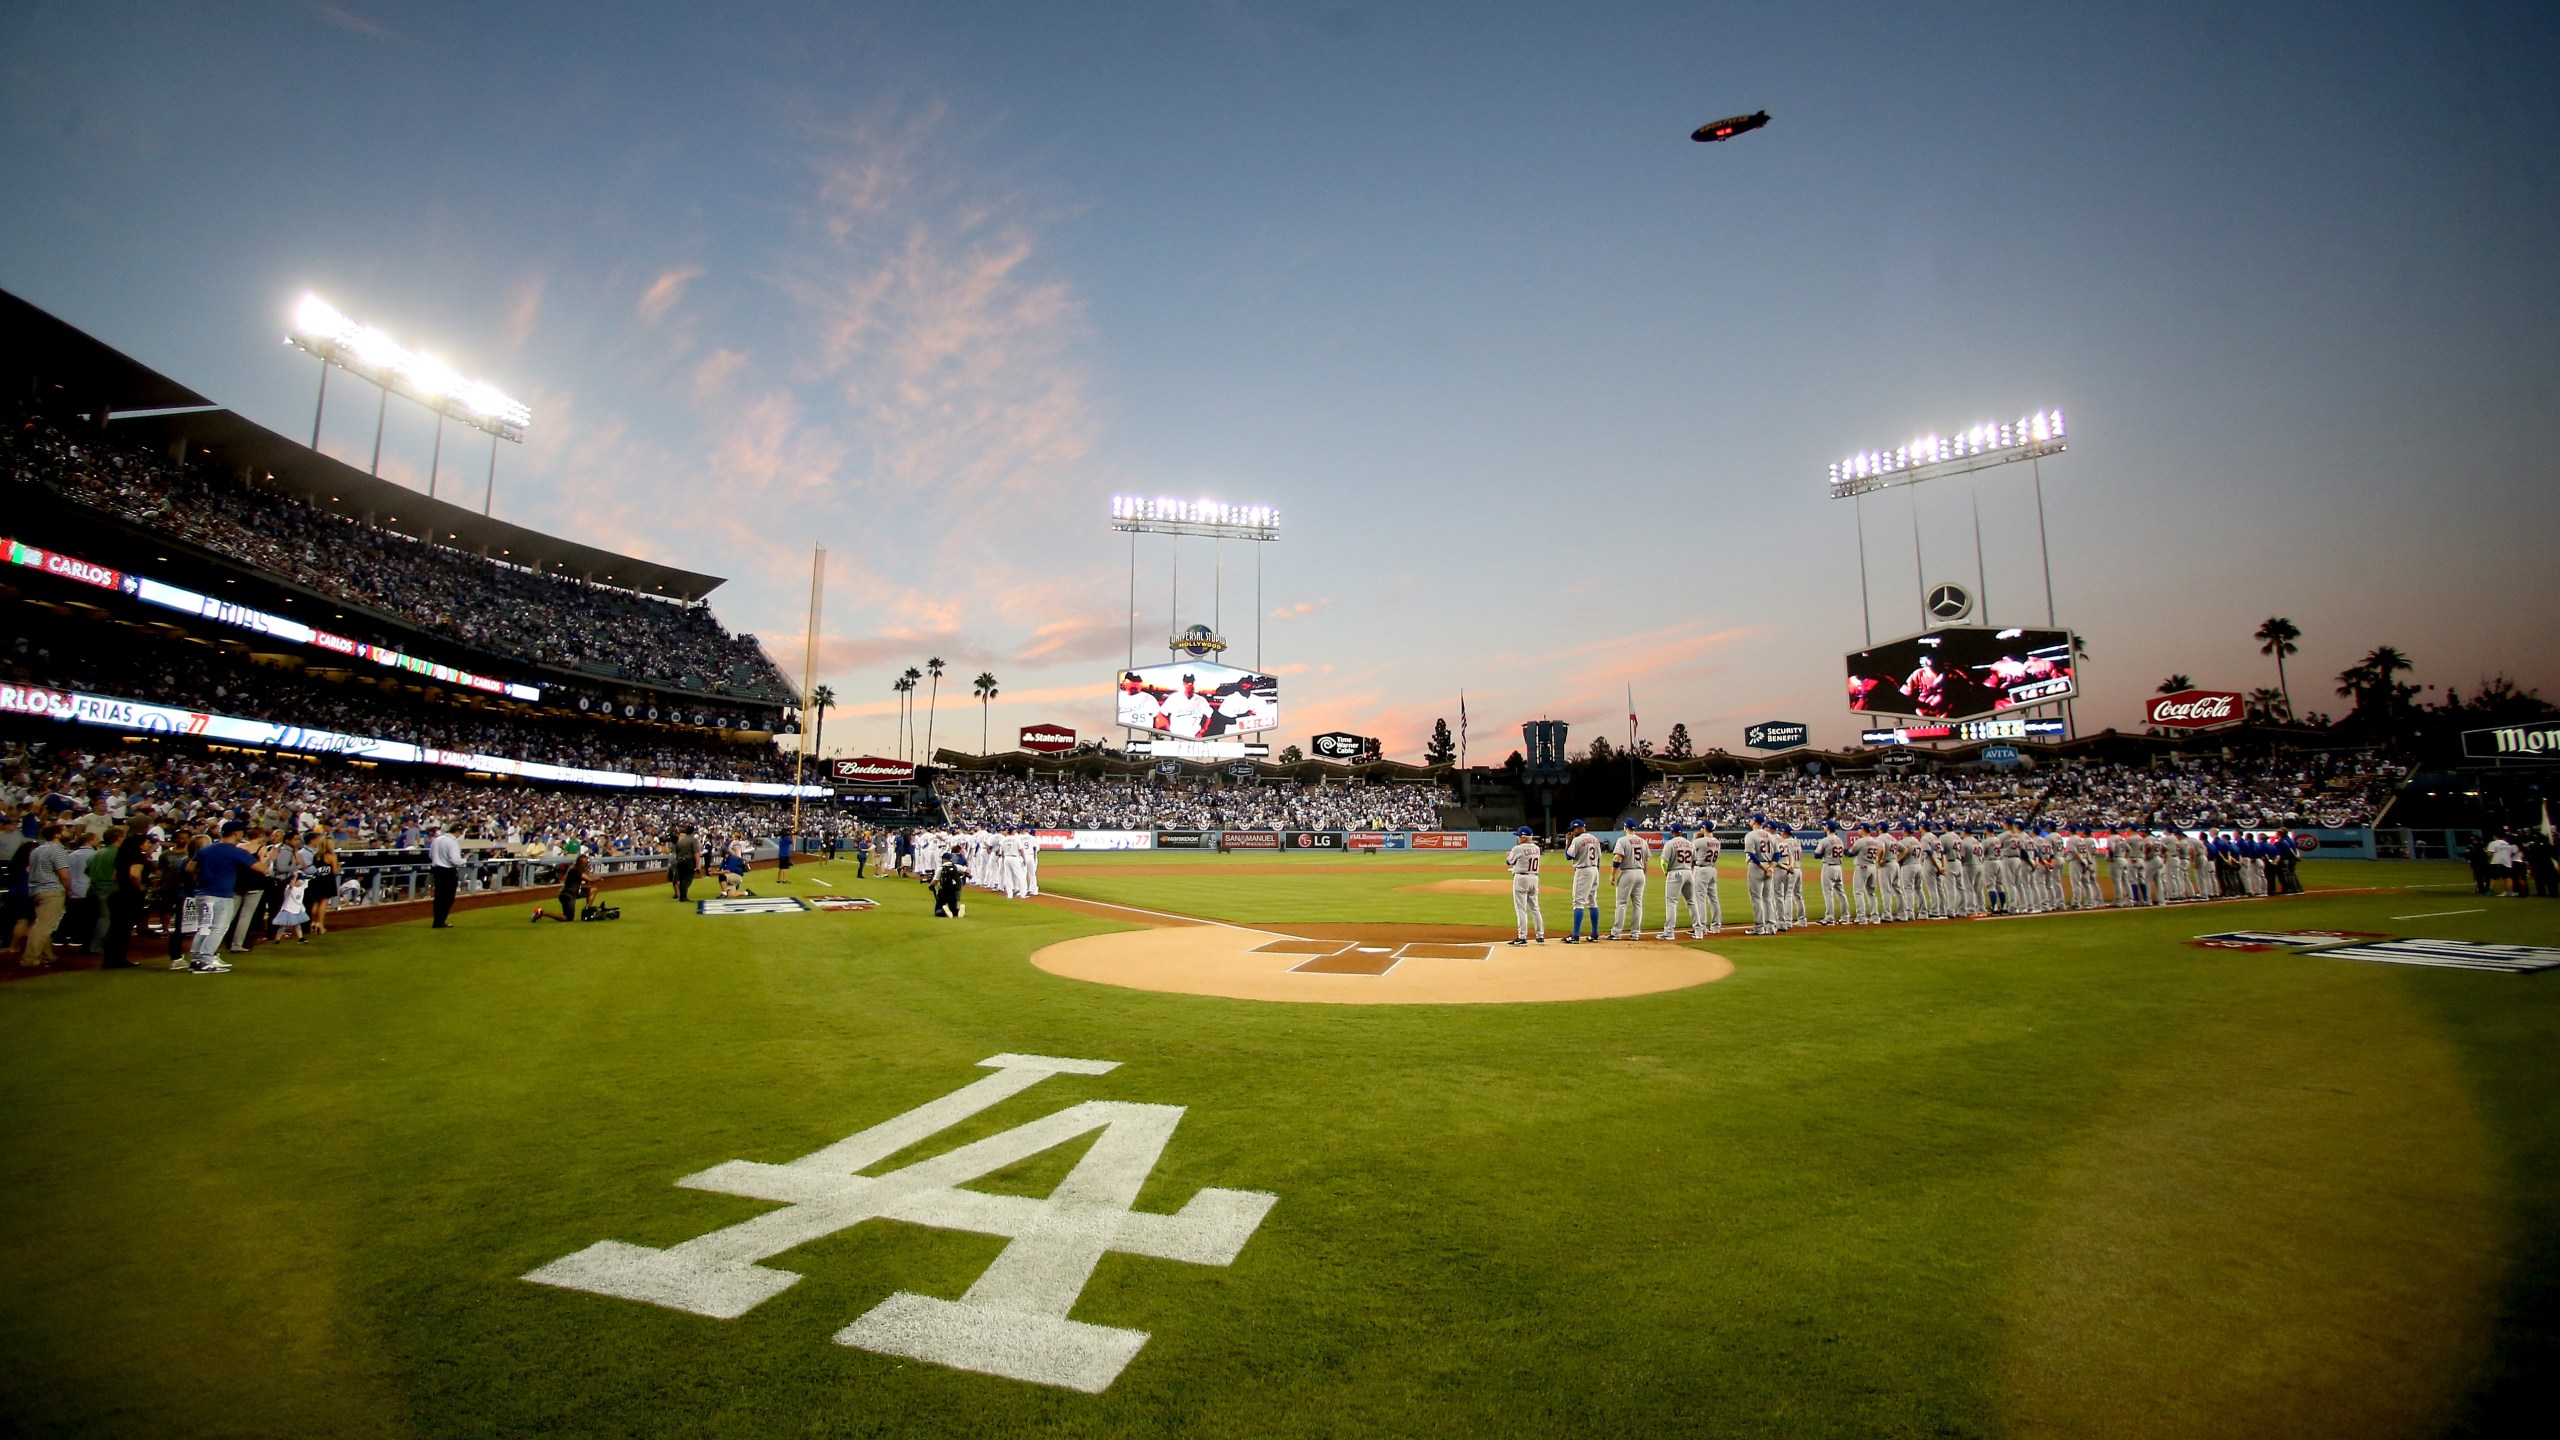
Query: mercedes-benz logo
x=1950 y=602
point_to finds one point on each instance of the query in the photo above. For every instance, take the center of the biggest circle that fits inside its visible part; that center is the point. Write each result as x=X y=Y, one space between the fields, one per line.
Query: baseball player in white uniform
x=1523 y=861
x=1679 y=859
x=1626 y=903
x=1582 y=851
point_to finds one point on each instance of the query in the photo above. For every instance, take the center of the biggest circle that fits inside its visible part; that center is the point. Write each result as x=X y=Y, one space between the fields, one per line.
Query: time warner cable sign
x=1776 y=735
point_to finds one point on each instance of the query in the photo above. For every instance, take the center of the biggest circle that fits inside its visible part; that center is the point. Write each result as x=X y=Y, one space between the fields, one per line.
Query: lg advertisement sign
x=2193 y=710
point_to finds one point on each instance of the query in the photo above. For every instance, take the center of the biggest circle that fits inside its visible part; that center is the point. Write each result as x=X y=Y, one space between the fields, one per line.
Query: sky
x=1544 y=391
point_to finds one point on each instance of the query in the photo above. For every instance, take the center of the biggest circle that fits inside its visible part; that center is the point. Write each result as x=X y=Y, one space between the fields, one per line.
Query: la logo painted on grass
x=1013 y=1321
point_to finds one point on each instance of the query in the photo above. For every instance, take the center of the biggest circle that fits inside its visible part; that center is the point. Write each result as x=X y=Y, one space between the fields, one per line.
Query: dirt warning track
x=1367 y=964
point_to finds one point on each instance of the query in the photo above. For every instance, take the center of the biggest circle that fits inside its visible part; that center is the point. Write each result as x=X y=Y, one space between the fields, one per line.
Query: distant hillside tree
x=1676 y=747
x=1442 y=748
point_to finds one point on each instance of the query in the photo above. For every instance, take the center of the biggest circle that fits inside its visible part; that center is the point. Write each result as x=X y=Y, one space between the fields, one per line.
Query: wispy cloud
x=666 y=290
x=348 y=20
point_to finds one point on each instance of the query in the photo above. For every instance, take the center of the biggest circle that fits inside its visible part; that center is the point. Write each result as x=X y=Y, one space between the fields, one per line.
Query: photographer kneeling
x=574 y=887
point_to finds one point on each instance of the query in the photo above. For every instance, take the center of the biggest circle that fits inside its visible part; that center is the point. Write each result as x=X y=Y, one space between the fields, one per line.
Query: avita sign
x=2194 y=710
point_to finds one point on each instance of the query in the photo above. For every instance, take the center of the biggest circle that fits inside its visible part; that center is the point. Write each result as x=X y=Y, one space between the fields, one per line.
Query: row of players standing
x=1879 y=874
x=1005 y=860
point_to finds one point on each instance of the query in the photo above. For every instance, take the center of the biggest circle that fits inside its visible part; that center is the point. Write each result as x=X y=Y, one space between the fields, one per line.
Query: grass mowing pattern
x=2044 y=1175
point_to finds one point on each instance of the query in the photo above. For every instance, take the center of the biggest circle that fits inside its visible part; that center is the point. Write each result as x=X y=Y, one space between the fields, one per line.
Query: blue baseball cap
x=1679 y=829
x=1524 y=831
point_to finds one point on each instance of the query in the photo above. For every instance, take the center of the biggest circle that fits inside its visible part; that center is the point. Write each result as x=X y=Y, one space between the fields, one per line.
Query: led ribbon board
x=174 y=597
x=140 y=716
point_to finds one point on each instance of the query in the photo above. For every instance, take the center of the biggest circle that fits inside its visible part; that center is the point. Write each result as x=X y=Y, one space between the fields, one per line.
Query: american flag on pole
x=1631 y=717
x=1462 y=729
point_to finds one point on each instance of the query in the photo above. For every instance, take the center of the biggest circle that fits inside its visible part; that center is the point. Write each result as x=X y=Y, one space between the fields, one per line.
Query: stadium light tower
x=1212 y=519
x=1934 y=457
x=320 y=329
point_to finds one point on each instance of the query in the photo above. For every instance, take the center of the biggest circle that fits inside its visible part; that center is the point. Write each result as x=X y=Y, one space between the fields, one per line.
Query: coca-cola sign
x=2194 y=710
x=871 y=770
x=1048 y=739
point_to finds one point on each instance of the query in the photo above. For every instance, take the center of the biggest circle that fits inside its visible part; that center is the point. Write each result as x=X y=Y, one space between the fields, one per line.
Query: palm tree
x=2277 y=637
x=2176 y=683
x=905 y=685
x=985 y=685
x=934 y=668
x=2268 y=703
x=819 y=700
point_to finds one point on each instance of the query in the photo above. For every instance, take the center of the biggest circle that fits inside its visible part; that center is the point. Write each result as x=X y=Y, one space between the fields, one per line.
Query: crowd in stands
x=374 y=807
x=2299 y=790
x=1157 y=803
x=2306 y=789
x=495 y=607
x=39 y=649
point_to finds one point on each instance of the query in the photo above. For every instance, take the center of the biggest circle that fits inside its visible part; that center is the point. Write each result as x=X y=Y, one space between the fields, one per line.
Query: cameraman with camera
x=574 y=887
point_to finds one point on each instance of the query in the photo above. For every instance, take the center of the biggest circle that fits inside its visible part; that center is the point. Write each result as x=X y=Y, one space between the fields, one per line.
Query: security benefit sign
x=1775 y=735
x=1014 y=1320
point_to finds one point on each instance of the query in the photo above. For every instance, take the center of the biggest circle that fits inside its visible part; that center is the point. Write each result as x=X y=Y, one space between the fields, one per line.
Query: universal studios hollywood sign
x=2537 y=741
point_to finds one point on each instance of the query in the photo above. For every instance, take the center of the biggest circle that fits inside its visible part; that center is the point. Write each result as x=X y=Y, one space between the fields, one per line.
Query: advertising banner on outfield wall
x=1185 y=839
x=1439 y=840
x=1310 y=839
x=1248 y=839
x=1095 y=839
x=1376 y=840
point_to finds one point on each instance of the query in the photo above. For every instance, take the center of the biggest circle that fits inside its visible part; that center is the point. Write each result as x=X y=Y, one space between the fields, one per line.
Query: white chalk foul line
x=2431 y=914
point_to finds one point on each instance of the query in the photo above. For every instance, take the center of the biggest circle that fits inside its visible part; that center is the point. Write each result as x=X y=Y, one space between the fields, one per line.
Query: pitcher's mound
x=1389 y=967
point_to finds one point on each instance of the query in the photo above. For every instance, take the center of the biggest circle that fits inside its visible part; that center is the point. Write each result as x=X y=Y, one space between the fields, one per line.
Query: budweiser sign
x=2194 y=710
x=871 y=770
x=1048 y=739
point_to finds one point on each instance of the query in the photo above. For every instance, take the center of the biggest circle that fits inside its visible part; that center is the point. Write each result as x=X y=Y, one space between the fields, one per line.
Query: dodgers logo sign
x=1014 y=1320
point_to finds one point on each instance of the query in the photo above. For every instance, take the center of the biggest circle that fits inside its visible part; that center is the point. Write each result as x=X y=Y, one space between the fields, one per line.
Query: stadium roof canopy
x=37 y=350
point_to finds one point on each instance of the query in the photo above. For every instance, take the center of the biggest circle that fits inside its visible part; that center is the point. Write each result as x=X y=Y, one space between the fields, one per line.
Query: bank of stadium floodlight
x=2029 y=437
x=322 y=330
x=1212 y=519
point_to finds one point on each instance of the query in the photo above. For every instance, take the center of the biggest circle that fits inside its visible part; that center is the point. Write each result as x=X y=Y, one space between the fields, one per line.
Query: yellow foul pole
x=808 y=677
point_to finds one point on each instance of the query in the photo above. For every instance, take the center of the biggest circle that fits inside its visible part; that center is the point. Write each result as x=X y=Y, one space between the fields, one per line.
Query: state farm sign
x=2194 y=710
x=871 y=770
x=1048 y=739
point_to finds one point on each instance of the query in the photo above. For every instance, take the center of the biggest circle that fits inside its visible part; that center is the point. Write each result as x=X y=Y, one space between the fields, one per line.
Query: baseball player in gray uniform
x=1626 y=903
x=1789 y=879
x=1831 y=850
x=1706 y=892
x=1867 y=851
x=1523 y=862
x=1582 y=850
x=1759 y=861
x=1679 y=858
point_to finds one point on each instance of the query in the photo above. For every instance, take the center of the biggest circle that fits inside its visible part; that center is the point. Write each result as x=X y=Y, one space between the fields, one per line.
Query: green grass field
x=2047 y=1176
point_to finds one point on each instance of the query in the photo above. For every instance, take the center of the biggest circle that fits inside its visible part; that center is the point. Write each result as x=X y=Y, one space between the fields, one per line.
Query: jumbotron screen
x=1197 y=700
x=1963 y=671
